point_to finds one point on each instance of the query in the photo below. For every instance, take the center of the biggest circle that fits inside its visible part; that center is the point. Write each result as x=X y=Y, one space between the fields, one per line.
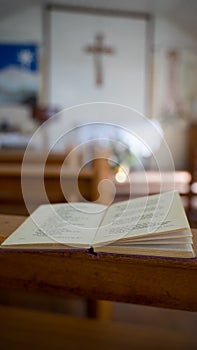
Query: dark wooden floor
x=137 y=315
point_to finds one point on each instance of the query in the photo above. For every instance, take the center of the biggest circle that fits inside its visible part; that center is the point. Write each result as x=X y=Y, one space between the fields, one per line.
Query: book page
x=68 y=223
x=142 y=217
x=166 y=250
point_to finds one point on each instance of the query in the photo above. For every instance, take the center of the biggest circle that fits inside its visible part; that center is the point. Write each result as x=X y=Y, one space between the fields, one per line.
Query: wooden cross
x=97 y=50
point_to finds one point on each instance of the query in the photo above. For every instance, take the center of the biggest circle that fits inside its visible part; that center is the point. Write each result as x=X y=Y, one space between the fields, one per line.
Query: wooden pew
x=155 y=281
x=139 y=184
x=61 y=182
x=27 y=329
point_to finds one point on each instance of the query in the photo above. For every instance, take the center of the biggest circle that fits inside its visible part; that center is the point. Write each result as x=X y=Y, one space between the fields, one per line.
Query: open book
x=154 y=225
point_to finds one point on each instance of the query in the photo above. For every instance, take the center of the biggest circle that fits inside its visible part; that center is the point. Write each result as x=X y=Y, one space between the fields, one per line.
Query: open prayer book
x=152 y=225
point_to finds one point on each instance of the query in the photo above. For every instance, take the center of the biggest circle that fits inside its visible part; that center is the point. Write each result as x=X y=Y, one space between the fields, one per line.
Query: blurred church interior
x=86 y=80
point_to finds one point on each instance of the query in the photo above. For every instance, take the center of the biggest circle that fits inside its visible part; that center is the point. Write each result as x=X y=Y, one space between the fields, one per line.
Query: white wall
x=169 y=36
x=72 y=70
x=26 y=25
x=23 y=25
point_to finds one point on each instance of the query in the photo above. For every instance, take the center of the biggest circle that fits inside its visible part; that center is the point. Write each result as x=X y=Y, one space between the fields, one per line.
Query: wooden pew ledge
x=161 y=282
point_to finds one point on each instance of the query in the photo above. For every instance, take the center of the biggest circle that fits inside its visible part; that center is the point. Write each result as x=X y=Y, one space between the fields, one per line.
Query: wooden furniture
x=11 y=196
x=156 y=281
x=27 y=329
x=50 y=183
x=192 y=151
x=151 y=182
x=192 y=166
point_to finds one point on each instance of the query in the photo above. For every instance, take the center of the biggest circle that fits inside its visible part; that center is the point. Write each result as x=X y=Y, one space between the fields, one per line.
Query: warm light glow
x=121 y=175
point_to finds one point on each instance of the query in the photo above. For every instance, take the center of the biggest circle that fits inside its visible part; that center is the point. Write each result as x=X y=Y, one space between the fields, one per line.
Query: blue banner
x=19 y=73
x=21 y=56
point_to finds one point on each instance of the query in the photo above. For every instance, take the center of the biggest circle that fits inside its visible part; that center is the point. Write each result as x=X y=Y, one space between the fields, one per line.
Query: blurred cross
x=98 y=49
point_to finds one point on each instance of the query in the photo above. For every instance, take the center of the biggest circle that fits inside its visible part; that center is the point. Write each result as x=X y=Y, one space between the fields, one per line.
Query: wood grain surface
x=156 y=281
